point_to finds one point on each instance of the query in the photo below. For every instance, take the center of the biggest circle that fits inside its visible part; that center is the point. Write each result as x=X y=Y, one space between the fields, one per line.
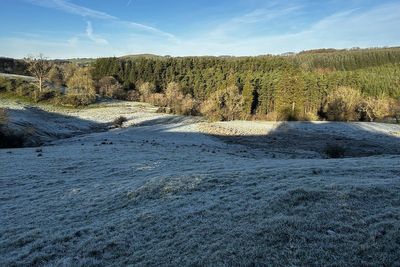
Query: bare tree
x=39 y=67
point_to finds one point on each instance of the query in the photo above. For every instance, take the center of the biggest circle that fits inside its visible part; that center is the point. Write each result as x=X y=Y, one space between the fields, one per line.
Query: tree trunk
x=40 y=84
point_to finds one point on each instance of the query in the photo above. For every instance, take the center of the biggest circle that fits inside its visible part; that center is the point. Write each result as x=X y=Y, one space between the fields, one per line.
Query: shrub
x=109 y=86
x=26 y=89
x=174 y=97
x=118 y=122
x=157 y=99
x=224 y=105
x=371 y=109
x=44 y=95
x=81 y=91
x=342 y=104
x=335 y=151
x=81 y=83
x=145 y=90
x=5 y=84
x=173 y=101
x=10 y=85
x=68 y=71
x=56 y=76
x=75 y=100
x=309 y=116
x=132 y=95
x=188 y=106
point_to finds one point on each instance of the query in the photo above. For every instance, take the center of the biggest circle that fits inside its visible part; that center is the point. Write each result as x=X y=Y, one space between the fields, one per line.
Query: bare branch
x=39 y=67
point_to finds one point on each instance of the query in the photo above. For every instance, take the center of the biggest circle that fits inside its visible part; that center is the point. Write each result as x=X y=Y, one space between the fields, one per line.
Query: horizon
x=68 y=29
x=285 y=54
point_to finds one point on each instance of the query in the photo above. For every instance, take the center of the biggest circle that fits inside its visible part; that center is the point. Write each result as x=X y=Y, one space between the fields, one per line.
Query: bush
x=309 y=116
x=81 y=83
x=5 y=84
x=109 y=86
x=223 y=105
x=118 y=122
x=18 y=87
x=44 y=95
x=132 y=95
x=188 y=106
x=26 y=90
x=75 y=100
x=342 y=104
x=335 y=151
x=145 y=90
x=371 y=109
x=56 y=76
x=157 y=99
x=174 y=97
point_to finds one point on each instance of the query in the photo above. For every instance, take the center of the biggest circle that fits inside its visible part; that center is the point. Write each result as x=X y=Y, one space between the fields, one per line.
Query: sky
x=100 y=28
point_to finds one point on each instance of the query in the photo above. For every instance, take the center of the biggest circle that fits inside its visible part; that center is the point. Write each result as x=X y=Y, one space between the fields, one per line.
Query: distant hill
x=147 y=56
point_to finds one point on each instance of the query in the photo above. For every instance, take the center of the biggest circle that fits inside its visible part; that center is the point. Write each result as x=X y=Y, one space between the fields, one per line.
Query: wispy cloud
x=265 y=14
x=343 y=29
x=244 y=34
x=150 y=29
x=92 y=36
x=253 y=21
x=68 y=7
x=71 y=8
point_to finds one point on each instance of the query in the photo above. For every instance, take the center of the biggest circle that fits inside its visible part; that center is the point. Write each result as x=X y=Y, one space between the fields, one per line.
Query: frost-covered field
x=173 y=191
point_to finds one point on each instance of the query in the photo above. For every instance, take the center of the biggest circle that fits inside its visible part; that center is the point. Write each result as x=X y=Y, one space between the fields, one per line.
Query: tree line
x=264 y=87
x=356 y=84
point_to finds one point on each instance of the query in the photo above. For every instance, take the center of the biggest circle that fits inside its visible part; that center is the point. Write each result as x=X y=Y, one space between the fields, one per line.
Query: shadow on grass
x=305 y=139
x=32 y=126
x=328 y=139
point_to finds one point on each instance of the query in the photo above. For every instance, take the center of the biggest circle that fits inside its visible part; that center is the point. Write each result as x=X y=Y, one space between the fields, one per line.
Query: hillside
x=174 y=190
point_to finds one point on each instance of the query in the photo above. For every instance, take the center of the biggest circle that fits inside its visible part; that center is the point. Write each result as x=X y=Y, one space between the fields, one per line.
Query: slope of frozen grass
x=309 y=139
x=162 y=193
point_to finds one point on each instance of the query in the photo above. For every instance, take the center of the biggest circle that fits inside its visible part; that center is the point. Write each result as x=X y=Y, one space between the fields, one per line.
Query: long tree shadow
x=323 y=140
x=32 y=126
x=301 y=139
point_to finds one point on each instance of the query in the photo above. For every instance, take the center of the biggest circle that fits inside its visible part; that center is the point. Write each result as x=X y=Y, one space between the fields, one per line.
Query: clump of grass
x=118 y=122
x=335 y=151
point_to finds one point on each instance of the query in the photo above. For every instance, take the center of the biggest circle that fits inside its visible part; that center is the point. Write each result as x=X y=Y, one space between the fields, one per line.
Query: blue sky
x=95 y=28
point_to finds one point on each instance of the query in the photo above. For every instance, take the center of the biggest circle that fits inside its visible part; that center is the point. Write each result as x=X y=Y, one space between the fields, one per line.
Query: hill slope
x=164 y=192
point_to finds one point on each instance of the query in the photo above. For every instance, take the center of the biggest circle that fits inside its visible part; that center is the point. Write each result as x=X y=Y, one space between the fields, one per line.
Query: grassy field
x=172 y=191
